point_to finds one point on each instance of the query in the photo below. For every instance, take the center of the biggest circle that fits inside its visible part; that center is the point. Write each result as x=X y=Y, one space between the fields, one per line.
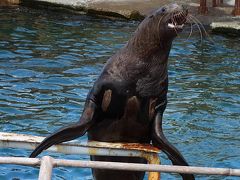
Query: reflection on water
x=49 y=61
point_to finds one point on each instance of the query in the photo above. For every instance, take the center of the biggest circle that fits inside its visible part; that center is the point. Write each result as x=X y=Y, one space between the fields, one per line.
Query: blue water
x=49 y=61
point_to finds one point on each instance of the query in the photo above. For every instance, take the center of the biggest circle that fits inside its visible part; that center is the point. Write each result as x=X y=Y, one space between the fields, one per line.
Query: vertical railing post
x=236 y=11
x=46 y=167
x=203 y=7
x=214 y=3
x=153 y=159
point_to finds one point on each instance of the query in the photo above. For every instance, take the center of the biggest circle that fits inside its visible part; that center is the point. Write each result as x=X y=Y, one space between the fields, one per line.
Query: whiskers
x=190 y=33
x=202 y=31
x=180 y=18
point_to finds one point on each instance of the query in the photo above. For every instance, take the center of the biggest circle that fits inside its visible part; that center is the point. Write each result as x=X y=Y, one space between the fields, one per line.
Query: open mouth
x=178 y=20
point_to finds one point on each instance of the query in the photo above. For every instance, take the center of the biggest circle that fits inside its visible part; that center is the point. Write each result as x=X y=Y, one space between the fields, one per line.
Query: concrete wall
x=229 y=2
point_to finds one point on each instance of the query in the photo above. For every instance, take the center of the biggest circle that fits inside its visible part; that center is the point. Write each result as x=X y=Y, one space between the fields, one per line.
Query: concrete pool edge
x=217 y=17
x=81 y=7
x=228 y=27
x=135 y=10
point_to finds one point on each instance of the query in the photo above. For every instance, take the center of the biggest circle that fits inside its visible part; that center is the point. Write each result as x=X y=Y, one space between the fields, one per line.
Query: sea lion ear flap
x=151 y=16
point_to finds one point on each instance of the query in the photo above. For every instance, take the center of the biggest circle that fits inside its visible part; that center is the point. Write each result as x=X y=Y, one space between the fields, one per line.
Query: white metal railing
x=99 y=148
x=145 y=151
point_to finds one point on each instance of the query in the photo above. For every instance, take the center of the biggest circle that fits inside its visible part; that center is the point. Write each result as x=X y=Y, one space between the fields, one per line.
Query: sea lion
x=127 y=101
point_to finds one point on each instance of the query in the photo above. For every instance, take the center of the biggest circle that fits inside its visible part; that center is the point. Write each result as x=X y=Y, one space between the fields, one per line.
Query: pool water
x=49 y=61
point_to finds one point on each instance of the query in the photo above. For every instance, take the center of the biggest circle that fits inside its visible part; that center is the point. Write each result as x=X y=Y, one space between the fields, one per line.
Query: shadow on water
x=49 y=61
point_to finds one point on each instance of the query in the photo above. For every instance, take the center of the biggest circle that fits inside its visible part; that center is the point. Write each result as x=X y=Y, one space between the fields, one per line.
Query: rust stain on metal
x=130 y=146
x=93 y=151
x=148 y=152
x=154 y=176
x=153 y=159
x=20 y=137
x=144 y=147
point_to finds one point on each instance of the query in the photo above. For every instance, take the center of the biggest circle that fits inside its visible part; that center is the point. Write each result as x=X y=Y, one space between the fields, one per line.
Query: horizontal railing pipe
x=99 y=148
x=20 y=161
x=124 y=166
x=148 y=167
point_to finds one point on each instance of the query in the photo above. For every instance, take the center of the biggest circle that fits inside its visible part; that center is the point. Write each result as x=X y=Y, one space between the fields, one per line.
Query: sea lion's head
x=161 y=26
x=168 y=20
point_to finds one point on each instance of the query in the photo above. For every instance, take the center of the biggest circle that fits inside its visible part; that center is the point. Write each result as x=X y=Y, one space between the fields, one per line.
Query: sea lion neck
x=147 y=40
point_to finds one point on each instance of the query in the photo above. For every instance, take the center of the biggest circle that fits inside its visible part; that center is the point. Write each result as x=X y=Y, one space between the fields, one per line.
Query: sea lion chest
x=124 y=118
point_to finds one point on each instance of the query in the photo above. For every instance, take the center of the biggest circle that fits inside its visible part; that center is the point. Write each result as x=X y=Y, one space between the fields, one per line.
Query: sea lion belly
x=132 y=125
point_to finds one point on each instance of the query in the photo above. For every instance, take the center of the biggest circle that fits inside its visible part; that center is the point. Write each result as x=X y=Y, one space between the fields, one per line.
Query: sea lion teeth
x=171 y=25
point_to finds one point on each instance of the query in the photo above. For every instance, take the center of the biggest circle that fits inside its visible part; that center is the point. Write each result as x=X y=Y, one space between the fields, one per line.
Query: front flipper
x=160 y=141
x=70 y=132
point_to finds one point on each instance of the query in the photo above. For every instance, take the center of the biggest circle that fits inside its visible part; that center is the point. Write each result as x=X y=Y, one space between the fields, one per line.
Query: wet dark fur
x=128 y=99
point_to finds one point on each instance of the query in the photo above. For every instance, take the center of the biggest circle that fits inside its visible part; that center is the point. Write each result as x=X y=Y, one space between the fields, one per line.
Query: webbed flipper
x=70 y=132
x=159 y=140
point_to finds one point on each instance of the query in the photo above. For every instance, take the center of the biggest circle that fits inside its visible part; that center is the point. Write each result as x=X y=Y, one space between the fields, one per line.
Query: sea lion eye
x=160 y=11
x=163 y=9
